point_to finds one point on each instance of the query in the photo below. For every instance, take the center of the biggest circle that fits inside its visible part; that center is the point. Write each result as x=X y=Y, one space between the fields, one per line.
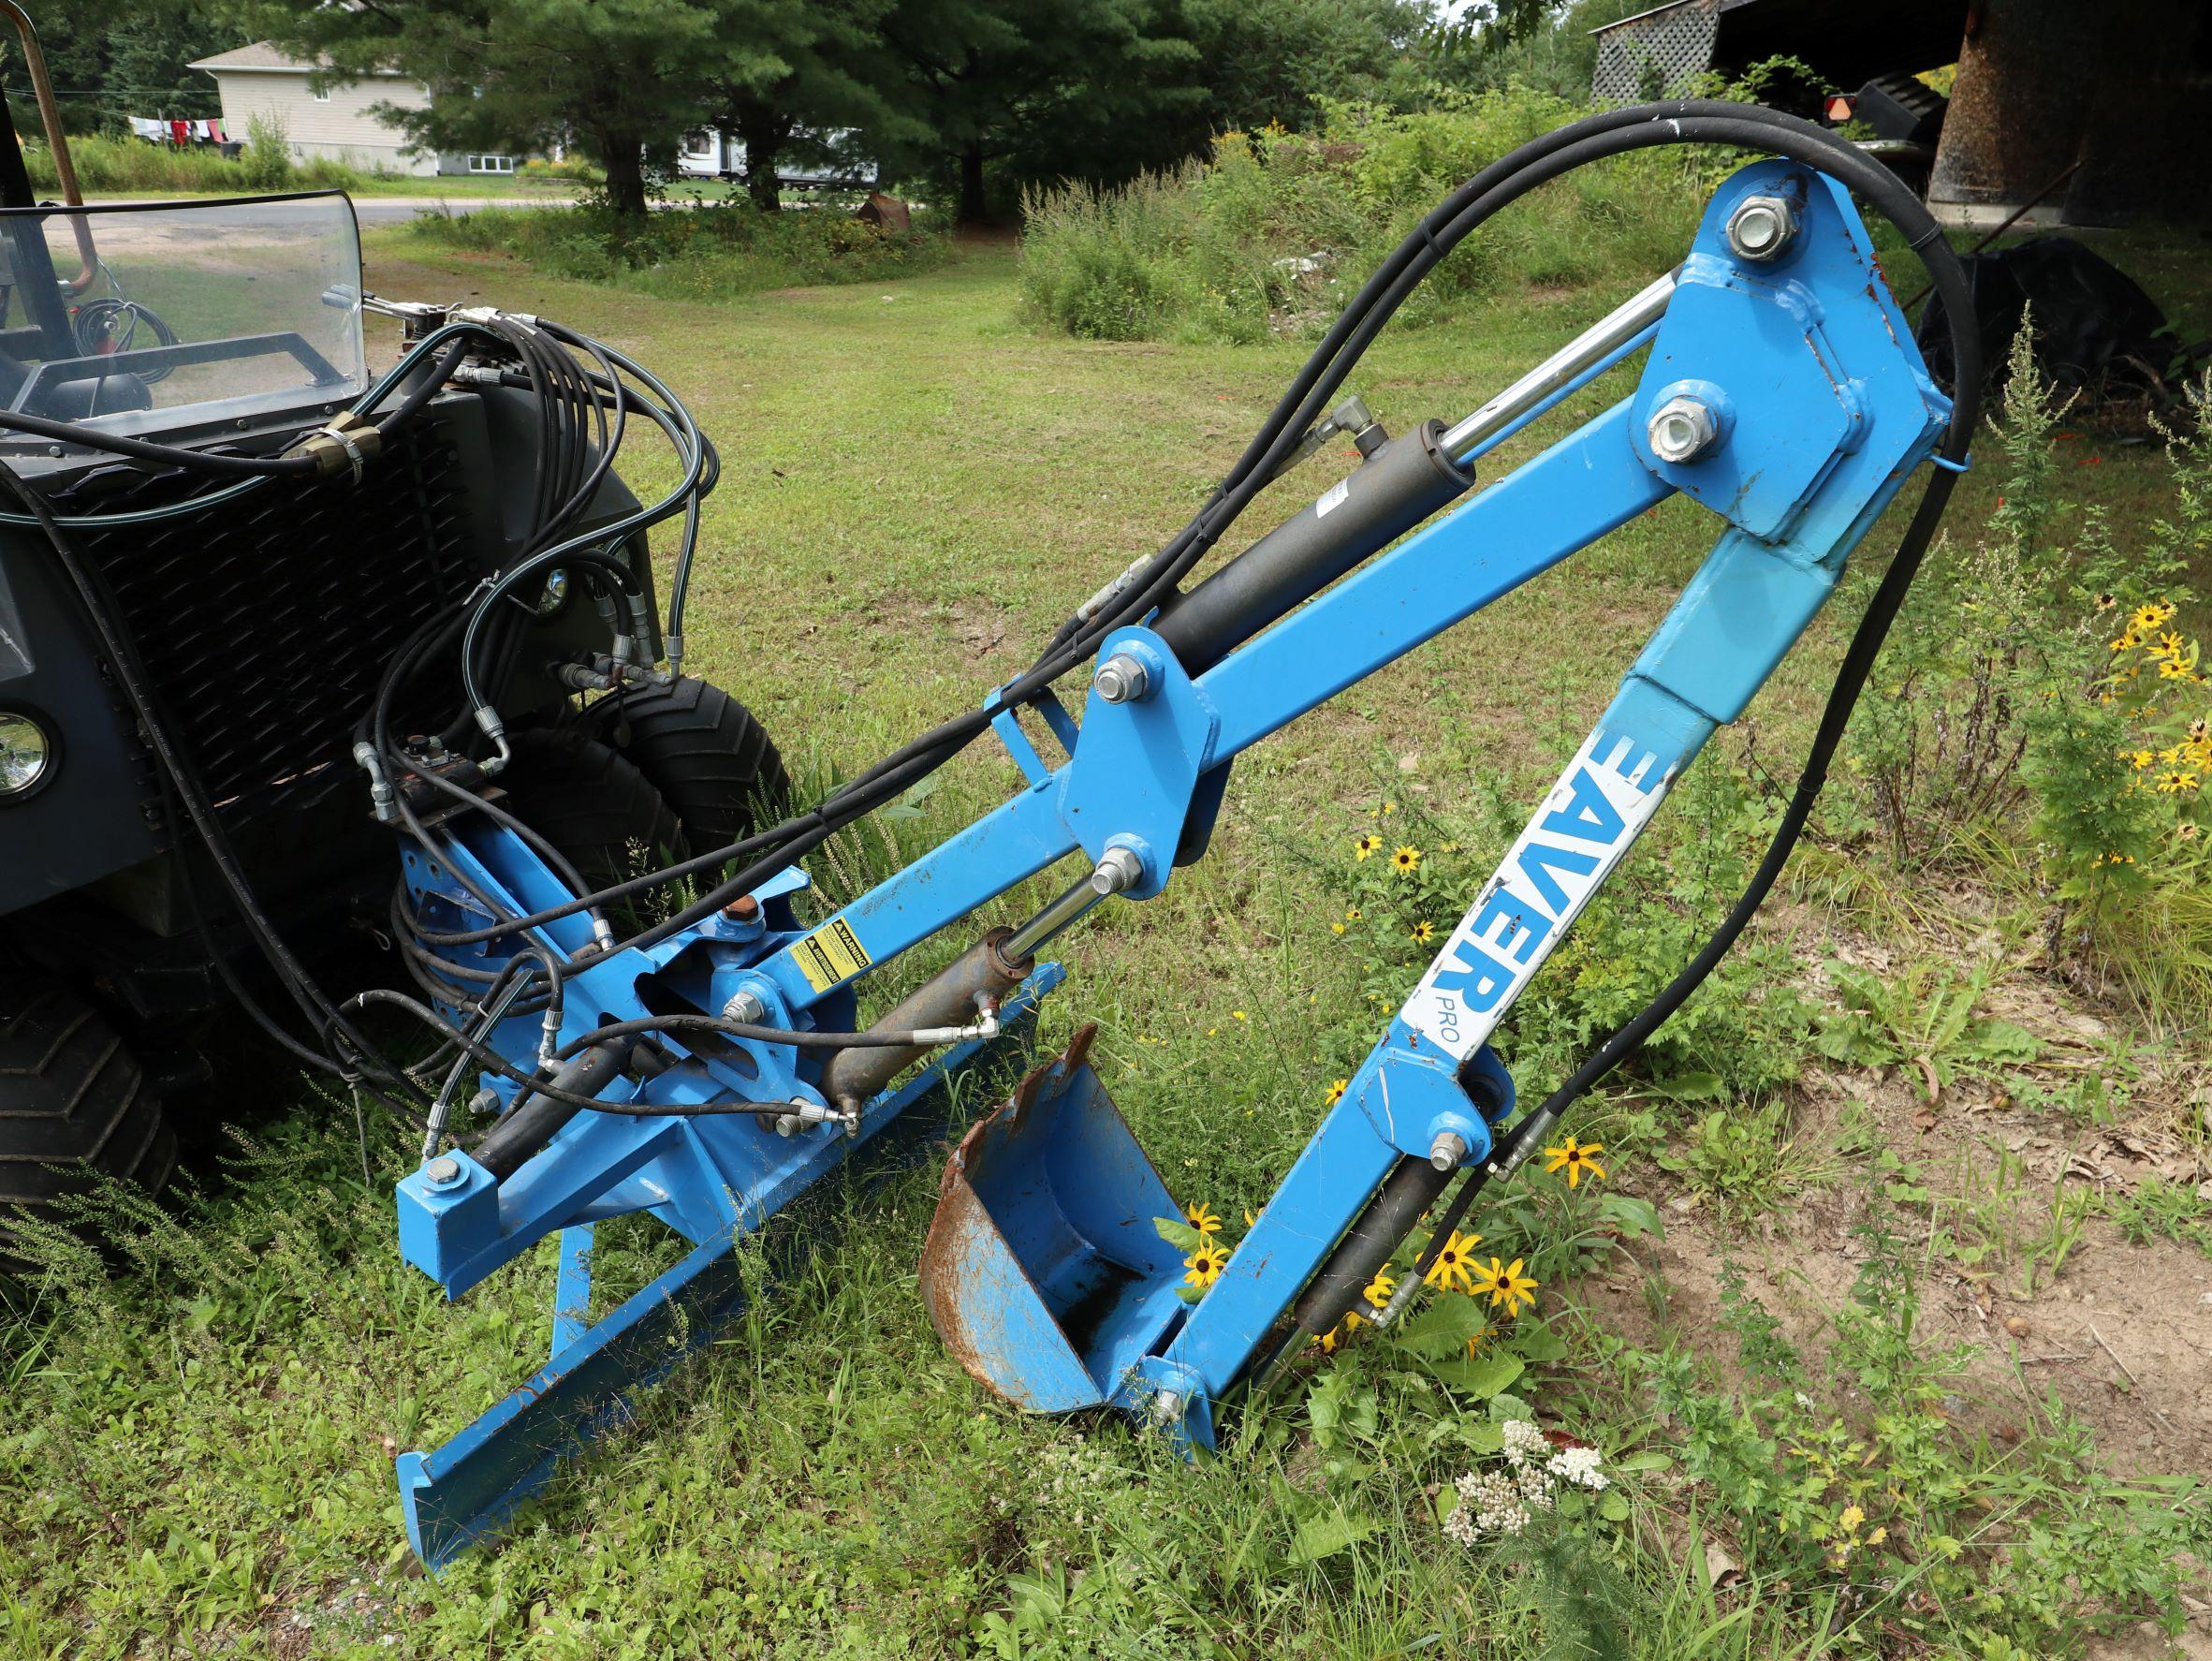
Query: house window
x=490 y=163
x=697 y=144
x=320 y=96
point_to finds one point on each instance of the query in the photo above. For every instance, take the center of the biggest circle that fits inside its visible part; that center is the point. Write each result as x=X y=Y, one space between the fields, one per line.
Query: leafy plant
x=1927 y=1020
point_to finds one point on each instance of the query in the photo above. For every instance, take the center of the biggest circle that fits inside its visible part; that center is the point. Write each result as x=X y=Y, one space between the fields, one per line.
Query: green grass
x=917 y=487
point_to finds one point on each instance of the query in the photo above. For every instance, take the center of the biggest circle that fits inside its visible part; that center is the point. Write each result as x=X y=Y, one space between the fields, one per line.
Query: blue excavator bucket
x=1042 y=1271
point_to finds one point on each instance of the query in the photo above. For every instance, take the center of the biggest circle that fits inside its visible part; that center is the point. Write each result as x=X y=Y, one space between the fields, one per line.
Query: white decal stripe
x=1572 y=843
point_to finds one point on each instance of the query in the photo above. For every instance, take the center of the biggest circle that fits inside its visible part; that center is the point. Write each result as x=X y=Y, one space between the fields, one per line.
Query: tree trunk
x=623 y=154
x=2025 y=77
x=973 y=209
x=762 y=132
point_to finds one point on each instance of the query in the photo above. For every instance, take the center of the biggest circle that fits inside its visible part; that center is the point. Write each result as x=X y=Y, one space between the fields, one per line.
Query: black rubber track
x=592 y=803
x=704 y=752
x=73 y=1101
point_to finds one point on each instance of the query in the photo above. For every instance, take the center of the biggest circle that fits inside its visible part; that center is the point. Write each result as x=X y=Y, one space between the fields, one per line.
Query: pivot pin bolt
x=443 y=1172
x=744 y=1008
x=1121 y=679
x=1447 y=1151
x=1762 y=227
x=1682 y=429
x=1168 y=1406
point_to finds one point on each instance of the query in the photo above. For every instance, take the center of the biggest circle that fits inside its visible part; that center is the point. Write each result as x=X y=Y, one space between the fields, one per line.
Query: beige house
x=339 y=122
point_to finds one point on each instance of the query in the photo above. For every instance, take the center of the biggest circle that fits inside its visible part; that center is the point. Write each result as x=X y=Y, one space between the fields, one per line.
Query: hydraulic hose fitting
x=346 y=444
x=497 y=731
x=381 y=798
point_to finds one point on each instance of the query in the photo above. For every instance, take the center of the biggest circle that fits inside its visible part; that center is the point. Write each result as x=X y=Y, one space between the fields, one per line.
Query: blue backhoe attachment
x=1780 y=389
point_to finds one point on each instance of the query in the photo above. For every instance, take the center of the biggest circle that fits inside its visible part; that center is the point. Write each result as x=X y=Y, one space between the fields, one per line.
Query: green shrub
x=574 y=169
x=1275 y=230
x=701 y=252
x=2029 y=687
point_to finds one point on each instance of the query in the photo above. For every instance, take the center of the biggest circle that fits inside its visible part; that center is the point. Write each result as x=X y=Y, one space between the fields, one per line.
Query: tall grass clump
x=1273 y=232
x=703 y=252
x=107 y=165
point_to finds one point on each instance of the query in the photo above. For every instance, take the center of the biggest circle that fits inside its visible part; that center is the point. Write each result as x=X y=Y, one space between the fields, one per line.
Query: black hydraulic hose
x=166 y=455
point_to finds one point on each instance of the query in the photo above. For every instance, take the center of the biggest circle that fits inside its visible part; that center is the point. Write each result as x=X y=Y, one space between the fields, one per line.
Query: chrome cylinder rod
x=1575 y=365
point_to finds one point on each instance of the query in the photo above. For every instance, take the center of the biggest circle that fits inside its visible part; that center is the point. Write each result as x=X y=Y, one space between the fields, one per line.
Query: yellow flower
x=1367 y=843
x=1329 y=1340
x=1424 y=932
x=1351 y=914
x=1336 y=1090
x=2138 y=759
x=1377 y=1293
x=1575 y=1158
x=2106 y=602
x=2170 y=645
x=1852 y=1516
x=2173 y=669
x=1406 y=859
x=2200 y=730
x=2187 y=831
x=1201 y=1217
x=1205 y=1264
x=1335 y=928
x=1878 y=1535
x=2128 y=641
x=2173 y=784
x=1389 y=808
x=2145 y=618
x=1506 y=1285
x=1450 y=1268
x=1237 y=1014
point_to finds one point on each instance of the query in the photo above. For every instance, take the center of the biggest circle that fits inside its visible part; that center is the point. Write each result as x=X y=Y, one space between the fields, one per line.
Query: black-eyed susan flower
x=1406 y=861
x=1335 y=1093
x=2185 y=831
x=1453 y=1268
x=2129 y=640
x=1365 y=844
x=2175 y=782
x=1424 y=932
x=2105 y=601
x=2174 y=668
x=1507 y=1287
x=2149 y=616
x=1576 y=1159
x=1201 y=1217
x=1203 y=1266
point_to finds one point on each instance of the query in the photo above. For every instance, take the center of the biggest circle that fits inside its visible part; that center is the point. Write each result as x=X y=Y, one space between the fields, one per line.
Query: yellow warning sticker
x=830 y=954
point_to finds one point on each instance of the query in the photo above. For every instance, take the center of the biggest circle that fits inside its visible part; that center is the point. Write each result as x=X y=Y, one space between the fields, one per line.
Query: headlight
x=26 y=755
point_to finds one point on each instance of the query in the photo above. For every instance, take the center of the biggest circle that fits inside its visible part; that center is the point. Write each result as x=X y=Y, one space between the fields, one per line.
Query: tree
x=116 y=61
x=793 y=72
x=1281 y=60
x=619 y=78
x=1090 y=89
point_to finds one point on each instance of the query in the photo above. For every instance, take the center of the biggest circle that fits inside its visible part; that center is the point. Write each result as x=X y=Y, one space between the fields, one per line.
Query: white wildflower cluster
x=1503 y=1502
x=1578 y=1465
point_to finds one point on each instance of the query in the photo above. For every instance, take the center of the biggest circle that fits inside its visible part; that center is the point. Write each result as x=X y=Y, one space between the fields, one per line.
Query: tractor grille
x=266 y=623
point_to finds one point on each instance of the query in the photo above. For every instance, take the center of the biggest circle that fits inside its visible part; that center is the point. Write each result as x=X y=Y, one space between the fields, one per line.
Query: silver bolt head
x=1762 y=227
x=1682 y=429
x=1121 y=679
x=443 y=1172
x=744 y=1006
x=1447 y=1151
x=1168 y=1406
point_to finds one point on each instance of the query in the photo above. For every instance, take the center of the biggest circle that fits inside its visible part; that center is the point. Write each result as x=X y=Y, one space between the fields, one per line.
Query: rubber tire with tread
x=704 y=752
x=74 y=1101
x=592 y=803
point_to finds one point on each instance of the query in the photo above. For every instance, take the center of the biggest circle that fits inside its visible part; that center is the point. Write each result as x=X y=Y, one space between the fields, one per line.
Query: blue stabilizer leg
x=465 y=1492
